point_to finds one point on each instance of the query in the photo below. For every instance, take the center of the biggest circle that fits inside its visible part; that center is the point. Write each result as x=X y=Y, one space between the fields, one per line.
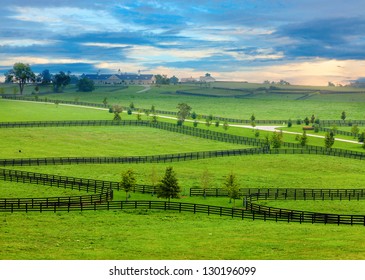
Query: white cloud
x=261 y=53
x=105 y=45
x=10 y=60
x=24 y=42
x=71 y=20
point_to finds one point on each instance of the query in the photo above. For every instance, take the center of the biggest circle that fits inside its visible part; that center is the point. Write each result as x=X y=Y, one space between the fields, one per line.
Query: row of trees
x=22 y=74
x=168 y=187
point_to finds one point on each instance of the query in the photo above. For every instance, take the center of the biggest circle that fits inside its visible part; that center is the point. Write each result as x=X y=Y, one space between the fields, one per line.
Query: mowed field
x=141 y=234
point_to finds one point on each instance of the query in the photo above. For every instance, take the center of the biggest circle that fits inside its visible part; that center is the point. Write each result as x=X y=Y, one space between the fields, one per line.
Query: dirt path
x=146 y=88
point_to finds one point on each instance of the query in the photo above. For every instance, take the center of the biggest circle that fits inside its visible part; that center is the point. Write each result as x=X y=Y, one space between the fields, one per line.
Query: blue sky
x=302 y=41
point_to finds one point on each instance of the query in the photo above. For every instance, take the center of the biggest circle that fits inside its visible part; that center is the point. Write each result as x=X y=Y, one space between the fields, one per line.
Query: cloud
x=342 y=38
x=16 y=42
x=71 y=20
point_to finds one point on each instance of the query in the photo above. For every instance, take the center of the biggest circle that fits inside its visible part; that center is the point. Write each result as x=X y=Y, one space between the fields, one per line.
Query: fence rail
x=192 y=131
x=165 y=112
x=251 y=212
x=285 y=193
x=131 y=159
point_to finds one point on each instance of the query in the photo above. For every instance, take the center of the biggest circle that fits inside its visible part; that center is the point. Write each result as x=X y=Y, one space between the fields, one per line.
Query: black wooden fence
x=251 y=212
x=102 y=200
x=192 y=131
x=131 y=159
x=164 y=112
x=285 y=193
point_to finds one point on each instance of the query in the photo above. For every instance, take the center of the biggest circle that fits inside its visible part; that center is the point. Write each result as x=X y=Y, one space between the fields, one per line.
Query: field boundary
x=323 y=123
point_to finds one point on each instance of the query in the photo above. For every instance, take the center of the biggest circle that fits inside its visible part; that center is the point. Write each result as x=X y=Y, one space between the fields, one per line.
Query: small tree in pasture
x=343 y=115
x=117 y=109
x=276 y=140
x=232 y=186
x=169 y=186
x=329 y=139
x=128 y=182
x=355 y=130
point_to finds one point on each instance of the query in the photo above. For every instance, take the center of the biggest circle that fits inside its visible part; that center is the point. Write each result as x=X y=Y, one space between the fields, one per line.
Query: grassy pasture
x=277 y=171
x=129 y=235
x=263 y=105
x=167 y=235
x=101 y=141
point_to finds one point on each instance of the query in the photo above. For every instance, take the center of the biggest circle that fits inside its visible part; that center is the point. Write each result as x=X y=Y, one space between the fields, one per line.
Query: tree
x=361 y=137
x=174 y=80
x=302 y=139
x=276 y=140
x=85 y=85
x=184 y=111
x=343 y=115
x=117 y=109
x=128 y=182
x=329 y=139
x=306 y=121
x=252 y=118
x=225 y=125
x=105 y=101
x=162 y=79
x=60 y=81
x=21 y=74
x=232 y=186
x=169 y=187
x=206 y=180
x=355 y=130
x=153 y=109
x=45 y=77
x=313 y=118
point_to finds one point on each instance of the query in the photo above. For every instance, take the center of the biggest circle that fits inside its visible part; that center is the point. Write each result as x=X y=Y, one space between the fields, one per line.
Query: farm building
x=121 y=79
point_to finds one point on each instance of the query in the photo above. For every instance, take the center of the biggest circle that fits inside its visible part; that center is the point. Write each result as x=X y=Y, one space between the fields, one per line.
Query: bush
x=299 y=122
x=195 y=123
x=290 y=124
x=129 y=112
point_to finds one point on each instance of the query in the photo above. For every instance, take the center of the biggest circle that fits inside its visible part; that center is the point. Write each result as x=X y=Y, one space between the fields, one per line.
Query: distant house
x=207 y=78
x=188 y=80
x=121 y=79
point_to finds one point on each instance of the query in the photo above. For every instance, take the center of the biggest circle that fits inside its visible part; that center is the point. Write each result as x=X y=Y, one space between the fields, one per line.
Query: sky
x=307 y=42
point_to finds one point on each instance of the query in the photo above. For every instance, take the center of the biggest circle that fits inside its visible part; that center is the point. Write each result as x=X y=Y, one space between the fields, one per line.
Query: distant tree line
x=22 y=74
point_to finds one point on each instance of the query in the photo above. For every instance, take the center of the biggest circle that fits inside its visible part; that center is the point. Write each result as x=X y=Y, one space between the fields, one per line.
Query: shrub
x=290 y=124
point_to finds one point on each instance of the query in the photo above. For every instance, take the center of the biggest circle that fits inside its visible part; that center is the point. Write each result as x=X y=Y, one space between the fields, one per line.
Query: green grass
x=352 y=207
x=141 y=235
x=263 y=105
x=12 y=111
x=277 y=171
x=20 y=190
x=101 y=141
x=145 y=234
